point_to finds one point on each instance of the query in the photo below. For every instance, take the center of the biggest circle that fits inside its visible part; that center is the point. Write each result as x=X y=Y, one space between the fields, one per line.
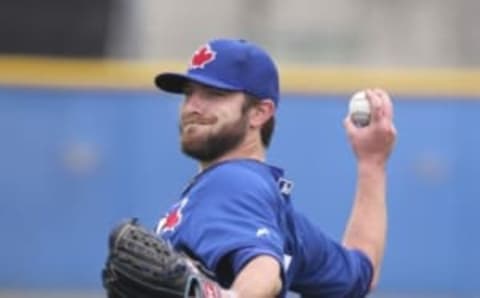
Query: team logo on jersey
x=262 y=232
x=202 y=57
x=173 y=218
x=285 y=186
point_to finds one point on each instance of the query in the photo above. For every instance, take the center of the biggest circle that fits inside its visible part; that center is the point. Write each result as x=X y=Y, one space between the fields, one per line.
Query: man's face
x=212 y=122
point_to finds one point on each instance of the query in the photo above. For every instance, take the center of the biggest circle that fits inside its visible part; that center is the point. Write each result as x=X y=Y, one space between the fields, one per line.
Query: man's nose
x=193 y=103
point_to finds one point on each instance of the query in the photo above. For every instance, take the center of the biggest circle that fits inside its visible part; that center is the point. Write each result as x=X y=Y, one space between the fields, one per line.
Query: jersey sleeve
x=328 y=269
x=234 y=220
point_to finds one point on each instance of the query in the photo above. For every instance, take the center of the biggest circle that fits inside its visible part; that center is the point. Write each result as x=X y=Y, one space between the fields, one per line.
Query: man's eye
x=218 y=93
x=187 y=91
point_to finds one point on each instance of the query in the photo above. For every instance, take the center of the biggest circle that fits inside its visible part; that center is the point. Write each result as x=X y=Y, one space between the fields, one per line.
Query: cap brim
x=175 y=82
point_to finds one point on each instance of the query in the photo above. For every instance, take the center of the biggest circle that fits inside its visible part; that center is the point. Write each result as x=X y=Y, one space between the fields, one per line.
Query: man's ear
x=260 y=113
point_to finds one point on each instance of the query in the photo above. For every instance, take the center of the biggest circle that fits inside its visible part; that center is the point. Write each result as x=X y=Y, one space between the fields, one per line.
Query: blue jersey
x=239 y=209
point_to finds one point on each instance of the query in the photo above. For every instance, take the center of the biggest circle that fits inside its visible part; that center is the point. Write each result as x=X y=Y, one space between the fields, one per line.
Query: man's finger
x=376 y=105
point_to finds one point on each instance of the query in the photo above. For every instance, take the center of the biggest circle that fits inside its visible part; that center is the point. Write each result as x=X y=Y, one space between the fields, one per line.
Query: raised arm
x=367 y=226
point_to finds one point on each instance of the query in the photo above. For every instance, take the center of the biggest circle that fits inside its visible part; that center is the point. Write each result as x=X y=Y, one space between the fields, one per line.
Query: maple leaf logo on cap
x=202 y=57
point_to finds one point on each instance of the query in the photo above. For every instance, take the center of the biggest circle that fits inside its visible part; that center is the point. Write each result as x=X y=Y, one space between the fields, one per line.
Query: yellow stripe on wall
x=400 y=81
x=96 y=73
x=40 y=71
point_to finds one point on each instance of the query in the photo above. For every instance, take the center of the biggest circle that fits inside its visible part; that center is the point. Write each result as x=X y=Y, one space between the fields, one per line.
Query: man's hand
x=372 y=144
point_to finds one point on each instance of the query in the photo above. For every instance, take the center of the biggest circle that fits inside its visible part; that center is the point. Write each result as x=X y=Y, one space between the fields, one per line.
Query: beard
x=215 y=144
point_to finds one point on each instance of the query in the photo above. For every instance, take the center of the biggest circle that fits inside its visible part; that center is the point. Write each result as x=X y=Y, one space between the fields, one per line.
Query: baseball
x=359 y=109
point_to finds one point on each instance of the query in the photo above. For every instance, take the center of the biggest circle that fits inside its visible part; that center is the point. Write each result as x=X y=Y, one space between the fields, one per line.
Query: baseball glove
x=140 y=265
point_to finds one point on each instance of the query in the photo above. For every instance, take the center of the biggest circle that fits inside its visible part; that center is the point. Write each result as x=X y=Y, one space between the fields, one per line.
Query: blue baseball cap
x=228 y=64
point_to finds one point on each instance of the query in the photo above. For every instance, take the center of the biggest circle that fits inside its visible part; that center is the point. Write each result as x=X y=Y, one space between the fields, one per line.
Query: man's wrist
x=371 y=166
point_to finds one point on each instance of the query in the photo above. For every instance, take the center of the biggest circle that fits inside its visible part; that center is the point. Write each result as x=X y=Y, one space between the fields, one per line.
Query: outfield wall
x=74 y=161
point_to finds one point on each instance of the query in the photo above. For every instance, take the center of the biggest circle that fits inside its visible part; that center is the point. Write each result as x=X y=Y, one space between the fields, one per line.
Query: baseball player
x=236 y=218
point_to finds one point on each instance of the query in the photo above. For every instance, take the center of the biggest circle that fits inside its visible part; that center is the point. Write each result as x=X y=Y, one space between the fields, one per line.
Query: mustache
x=197 y=119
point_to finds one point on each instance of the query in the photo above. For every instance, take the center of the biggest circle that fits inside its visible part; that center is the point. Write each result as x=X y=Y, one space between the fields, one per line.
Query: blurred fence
x=75 y=161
